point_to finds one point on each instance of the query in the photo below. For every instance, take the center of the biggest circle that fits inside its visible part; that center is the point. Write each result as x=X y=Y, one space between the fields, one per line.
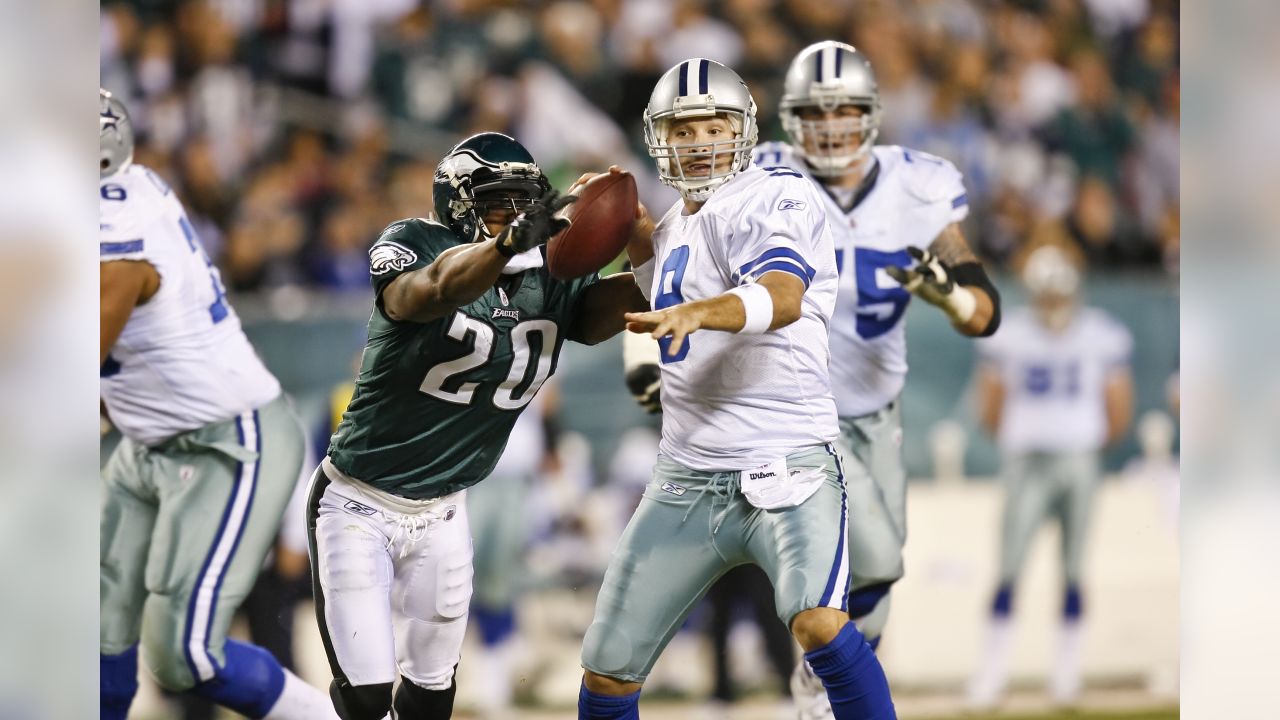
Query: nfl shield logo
x=502 y=295
x=449 y=512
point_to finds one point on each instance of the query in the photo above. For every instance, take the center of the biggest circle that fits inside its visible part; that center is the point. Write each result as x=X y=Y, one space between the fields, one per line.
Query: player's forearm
x=1119 y=405
x=458 y=276
x=601 y=308
x=728 y=312
x=983 y=312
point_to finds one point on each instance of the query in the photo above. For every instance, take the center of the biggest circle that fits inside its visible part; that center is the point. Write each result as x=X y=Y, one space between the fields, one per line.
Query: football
x=602 y=218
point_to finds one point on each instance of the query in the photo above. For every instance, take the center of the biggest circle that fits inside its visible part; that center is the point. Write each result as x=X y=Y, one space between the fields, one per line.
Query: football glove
x=931 y=280
x=642 y=373
x=536 y=224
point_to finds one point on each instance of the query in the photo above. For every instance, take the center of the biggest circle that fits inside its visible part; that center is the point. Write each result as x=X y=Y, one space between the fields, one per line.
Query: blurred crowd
x=296 y=129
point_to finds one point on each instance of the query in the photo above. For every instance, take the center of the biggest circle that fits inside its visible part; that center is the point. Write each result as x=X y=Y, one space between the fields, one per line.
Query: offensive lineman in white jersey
x=743 y=284
x=894 y=214
x=194 y=493
x=1054 y=387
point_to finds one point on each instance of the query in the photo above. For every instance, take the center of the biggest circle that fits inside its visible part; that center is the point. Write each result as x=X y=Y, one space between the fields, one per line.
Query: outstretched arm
x=728 y=312
x=952 y=249
x=950 y=276
x=457 y=277
x=462 y=274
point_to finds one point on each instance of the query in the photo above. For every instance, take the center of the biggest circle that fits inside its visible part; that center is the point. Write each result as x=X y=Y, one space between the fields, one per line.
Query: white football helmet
x=825 y=76
x=699 y=88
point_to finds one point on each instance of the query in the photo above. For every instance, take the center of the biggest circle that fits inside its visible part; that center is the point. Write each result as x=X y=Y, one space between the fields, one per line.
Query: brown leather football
x=603 y=218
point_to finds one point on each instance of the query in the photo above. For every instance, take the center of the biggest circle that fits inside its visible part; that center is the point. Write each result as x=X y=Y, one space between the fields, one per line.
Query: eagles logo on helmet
x=485 y=172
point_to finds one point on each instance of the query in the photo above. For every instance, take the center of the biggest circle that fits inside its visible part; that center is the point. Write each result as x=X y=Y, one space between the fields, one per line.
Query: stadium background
x=294 y=130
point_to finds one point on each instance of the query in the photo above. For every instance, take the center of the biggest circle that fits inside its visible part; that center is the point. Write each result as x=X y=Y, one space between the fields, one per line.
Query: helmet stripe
x=704 y=67
x=684 y=78
x=817 y=66
x=839 y=60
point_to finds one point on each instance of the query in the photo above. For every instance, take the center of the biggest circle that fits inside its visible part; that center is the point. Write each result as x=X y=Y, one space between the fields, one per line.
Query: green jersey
x=434 y=402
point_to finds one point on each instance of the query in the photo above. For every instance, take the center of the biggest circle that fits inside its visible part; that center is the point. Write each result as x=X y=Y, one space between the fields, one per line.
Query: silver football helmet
x=1050 y=271
x=700 y=88
x=826 y=76
x=115 y=134
x=1053 y=279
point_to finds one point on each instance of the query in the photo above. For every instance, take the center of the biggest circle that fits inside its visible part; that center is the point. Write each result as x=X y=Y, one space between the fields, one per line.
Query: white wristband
x=644 y=277
x=961 y=304
x=758 y=304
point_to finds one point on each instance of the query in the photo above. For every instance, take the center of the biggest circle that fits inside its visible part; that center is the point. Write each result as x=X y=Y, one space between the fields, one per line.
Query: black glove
x=645 y=384
x=536 y=224
x=933 y=281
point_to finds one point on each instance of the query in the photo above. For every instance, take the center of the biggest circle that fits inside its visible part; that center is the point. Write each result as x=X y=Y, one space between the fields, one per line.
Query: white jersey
x=1054 y=383
x=730 y=401
x=182 y=361
x=911 y=199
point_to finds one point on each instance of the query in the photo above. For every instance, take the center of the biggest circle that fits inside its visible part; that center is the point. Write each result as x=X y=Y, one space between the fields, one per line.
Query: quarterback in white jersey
x=894 y=214
x=194 y=493
x=1054 y=388
x=742 y=285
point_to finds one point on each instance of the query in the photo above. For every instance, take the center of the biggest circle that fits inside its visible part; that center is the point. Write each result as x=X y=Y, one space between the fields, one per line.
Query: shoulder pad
x=407 y=243
x=773 y=153
x=930 y=178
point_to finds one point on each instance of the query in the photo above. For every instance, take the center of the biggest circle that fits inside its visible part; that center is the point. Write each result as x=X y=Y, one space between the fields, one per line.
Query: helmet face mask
x=832 y=139
x=115 y=135
x=488 y=176
x=691 y=96
x=826 y=83
x=1052 y=279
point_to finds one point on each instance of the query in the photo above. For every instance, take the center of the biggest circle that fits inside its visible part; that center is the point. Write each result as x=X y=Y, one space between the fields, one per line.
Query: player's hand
x=536 y=224
x=586 y=176
x=930 y=280
x=641 y=371
x=645 y=384
x=677 y=321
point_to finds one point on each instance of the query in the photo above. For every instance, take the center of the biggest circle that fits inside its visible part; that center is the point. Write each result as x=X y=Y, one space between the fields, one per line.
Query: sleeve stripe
x=783 y=266
x=775 y=253
x=961 y=199
x=120 y=248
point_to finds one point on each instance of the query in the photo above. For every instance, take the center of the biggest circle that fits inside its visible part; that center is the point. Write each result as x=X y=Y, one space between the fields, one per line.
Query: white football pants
x=395 y=575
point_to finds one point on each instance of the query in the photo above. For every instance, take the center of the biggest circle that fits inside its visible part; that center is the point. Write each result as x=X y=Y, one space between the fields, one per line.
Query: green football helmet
x=486 y=172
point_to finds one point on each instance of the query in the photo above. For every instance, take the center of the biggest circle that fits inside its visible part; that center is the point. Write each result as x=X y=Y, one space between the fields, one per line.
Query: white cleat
x=986 y=690
x=809 y=694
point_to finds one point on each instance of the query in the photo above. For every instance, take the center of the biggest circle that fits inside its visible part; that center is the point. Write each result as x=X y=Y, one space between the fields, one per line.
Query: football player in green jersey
x=468 y=324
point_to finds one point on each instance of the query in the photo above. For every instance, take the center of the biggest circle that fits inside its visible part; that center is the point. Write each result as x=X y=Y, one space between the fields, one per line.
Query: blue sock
x=607 y=707
x=117 y=683
x=1072 y=603
x=1002 y=604
x=250 y=682
x=495 y=625
x=855 y=682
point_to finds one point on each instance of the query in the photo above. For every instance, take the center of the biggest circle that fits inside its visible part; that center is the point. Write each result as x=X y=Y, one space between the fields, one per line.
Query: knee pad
x=117 y=683
x=418 y=703
x=361 y=702
x=250 y=682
